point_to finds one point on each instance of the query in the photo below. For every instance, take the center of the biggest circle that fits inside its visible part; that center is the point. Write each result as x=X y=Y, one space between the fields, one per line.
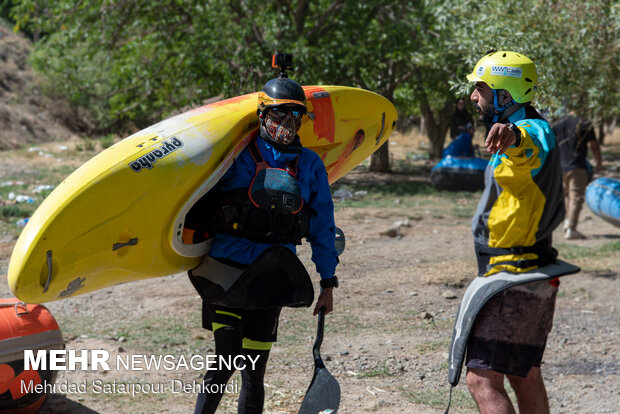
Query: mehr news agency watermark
x=99 y=359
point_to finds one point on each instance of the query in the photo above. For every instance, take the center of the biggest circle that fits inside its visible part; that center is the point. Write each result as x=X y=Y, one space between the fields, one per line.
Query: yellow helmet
x=512 y=71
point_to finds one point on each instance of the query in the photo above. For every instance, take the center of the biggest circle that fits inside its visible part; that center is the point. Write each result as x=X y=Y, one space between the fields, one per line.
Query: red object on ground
x=24 y=327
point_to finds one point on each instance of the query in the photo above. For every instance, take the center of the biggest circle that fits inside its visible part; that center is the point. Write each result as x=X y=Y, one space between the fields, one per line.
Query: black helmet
x=281 y=91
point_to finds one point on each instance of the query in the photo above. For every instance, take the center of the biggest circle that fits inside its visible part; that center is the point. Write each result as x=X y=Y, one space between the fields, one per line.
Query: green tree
x=134 y=61
x=575 y=46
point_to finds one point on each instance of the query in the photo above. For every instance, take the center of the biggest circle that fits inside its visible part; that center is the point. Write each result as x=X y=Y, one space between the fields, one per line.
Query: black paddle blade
x=323 y=395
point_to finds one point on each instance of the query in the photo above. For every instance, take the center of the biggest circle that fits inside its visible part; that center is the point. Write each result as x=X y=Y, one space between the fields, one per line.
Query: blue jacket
x=312 y=179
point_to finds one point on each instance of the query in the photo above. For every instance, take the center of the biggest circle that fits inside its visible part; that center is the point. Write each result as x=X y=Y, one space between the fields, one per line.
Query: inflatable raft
x=24 y=327
x=459 y=174
x=603 y=198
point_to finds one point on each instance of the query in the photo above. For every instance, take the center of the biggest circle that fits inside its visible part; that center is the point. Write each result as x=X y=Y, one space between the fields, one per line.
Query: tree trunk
x=422 y=126
x=380 y=159
x=437 y=140
x=601 y=132
x=437 y=125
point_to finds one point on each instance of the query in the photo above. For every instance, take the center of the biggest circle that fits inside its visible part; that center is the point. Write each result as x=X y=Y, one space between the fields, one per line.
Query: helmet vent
x=528 y=80
x=528 y=91
x=504 y=55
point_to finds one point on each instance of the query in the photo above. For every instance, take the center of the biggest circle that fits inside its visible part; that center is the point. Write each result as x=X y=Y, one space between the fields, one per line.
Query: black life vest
x=271 y=210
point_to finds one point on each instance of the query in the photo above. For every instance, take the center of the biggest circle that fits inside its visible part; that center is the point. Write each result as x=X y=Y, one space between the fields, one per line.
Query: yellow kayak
x=120 y=216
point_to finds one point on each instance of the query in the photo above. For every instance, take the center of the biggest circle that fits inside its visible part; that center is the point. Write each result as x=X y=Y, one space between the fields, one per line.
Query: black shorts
x=256 y=325
x=510 y=332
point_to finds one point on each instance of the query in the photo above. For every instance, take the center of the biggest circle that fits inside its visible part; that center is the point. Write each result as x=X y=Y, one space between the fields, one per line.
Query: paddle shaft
x=316 y=349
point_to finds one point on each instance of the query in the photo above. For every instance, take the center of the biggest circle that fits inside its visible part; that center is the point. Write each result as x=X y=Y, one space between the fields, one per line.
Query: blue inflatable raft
x=459 y=174
x=603 y=198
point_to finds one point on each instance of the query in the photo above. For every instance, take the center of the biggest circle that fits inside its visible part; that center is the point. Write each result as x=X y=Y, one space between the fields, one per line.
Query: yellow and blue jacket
x=522 y=202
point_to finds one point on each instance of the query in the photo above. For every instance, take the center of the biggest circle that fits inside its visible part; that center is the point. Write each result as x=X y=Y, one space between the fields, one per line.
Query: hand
x=599 y=166
x=325 y=300
x=500 y=138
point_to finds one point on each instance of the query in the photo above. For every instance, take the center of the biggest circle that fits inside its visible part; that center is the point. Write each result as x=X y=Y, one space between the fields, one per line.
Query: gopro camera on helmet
x=284 y=61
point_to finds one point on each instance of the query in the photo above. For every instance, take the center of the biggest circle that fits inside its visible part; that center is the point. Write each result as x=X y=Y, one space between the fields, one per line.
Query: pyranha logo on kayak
x=151 y=158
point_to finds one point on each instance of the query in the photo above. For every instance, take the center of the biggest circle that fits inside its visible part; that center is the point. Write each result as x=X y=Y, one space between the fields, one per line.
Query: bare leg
x=531 y=392
x=487 y=388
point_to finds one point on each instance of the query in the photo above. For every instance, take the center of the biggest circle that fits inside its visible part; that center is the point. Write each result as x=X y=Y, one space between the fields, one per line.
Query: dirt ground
x=387 y=340
x=27 y=116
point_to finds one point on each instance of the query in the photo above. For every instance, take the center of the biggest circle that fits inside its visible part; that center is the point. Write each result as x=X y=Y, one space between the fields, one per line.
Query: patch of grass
x=74 y=327
x=381 y=370
x=572 y=251
x=383 y=194
x=294 y=326
x=610 y=155
x=162 y=332
x=420 y=197
x=15 y=210
x=29 y=179
x=410 y=165
x=35 y=176
x=427 y=325
x=52 y=175
x=155 y=334
x=439 y=398
x=86 y=145
x=580 y=293
x=431 y=346
x=16 y=189
x=106 y=141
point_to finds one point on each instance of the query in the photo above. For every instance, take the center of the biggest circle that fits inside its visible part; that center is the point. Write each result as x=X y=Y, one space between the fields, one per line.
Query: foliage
x=132 y=62
x=574 y=45
x=106 y=141
x=5 y=10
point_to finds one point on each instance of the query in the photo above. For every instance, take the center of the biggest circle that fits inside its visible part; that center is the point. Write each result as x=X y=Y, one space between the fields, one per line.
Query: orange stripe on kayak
x=324 y=122
x=234 y=100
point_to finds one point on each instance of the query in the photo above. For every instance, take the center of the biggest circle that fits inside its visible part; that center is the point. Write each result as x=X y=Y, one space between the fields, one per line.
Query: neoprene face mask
x=282 y=124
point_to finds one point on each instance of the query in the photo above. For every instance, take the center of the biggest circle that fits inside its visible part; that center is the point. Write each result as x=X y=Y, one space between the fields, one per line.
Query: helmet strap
x=502 y=113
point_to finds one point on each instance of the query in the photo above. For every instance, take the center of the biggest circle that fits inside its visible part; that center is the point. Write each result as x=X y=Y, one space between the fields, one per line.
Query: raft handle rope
x=16 y=304
x=48 y=258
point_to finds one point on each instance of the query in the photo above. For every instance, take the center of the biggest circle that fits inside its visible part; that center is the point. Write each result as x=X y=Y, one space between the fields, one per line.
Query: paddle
x=323 y=395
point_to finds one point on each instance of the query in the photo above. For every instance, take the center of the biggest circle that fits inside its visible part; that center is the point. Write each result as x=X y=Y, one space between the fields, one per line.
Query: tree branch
x=300 y=15
x=323 y=19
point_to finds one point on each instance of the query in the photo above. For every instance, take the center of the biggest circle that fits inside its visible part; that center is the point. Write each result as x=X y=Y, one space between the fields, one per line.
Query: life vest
x=271 y=210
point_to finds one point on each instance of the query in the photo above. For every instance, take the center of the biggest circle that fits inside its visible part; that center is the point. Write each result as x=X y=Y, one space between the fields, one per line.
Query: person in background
x=460 y=118
x=573 y=135
x=520 y=207
x=462 y=145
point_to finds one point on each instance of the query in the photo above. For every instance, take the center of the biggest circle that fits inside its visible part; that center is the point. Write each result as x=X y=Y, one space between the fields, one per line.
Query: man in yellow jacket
x=521 y=205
